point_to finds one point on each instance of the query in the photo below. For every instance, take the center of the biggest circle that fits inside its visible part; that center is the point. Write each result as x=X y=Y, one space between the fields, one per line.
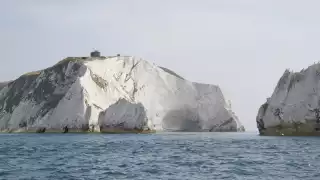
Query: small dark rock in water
x=92 y=129
x=41 y=130
x=146 y=128
x=65 y=129
x=85 y=127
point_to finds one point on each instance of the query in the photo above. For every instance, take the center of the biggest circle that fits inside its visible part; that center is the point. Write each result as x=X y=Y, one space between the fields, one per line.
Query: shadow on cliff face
x=39 y=88
x=185 y=119
x=259 y=119
x=226 y=126
x=87 y=115
x=123 y=115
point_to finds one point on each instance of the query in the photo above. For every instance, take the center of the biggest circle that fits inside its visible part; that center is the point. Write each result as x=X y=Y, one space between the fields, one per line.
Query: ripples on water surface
x=158 y=156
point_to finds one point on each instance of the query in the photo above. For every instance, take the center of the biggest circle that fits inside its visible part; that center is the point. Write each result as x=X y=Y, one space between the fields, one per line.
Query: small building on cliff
x=95 y=54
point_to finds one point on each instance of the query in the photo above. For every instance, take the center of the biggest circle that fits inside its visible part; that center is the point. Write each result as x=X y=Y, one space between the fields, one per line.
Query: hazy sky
x=243 y=46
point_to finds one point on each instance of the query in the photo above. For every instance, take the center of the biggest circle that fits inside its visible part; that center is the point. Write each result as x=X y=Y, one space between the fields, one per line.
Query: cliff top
x=67 y=60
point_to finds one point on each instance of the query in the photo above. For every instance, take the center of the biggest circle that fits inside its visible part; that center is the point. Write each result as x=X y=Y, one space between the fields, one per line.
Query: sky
x=242 y=46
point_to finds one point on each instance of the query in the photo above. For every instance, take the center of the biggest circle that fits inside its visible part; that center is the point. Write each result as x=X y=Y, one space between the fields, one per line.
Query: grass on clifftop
x=65 y=60
x=171 y=72
x=32 y=73
x=78 y=59
x=73 y=59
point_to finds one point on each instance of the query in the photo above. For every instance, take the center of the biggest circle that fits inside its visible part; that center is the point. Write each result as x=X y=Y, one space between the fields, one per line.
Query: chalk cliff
x=294 y=107
x=112 y=94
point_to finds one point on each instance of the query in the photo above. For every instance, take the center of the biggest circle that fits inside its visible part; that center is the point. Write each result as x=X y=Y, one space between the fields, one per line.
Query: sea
x=166 y=156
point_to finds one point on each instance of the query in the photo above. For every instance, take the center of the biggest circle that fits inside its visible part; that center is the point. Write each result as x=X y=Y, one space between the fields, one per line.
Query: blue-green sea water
x=158 y=156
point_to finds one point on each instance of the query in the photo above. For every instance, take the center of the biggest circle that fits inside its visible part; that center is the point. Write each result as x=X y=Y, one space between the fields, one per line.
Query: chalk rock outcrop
x=294 y=107
x=112 y=94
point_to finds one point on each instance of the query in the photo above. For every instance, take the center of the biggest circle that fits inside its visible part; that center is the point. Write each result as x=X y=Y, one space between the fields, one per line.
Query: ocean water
x=158 y=156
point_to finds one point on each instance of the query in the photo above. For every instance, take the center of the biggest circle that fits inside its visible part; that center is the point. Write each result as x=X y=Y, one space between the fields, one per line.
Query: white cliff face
x=293 y=108
x=126 y=93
